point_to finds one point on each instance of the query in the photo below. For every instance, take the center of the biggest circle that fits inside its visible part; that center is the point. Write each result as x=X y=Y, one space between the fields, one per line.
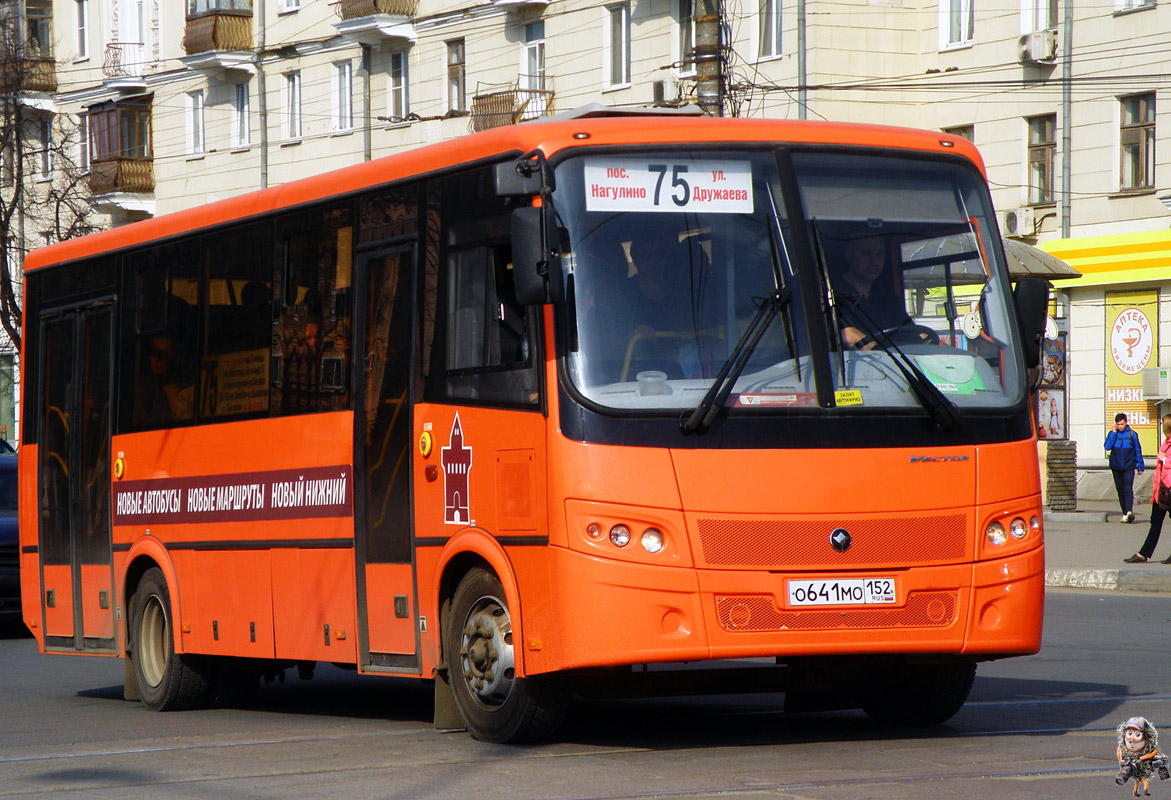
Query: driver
x=865 y=298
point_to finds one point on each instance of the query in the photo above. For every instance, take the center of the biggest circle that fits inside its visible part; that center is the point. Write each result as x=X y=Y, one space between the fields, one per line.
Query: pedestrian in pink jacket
x=1162 y=467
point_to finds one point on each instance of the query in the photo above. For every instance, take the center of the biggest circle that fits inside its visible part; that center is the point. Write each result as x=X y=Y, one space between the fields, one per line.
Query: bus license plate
x=853 y=591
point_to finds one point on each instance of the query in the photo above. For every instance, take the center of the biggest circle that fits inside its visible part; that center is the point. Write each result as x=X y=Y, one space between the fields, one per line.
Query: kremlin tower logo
x=457 y=465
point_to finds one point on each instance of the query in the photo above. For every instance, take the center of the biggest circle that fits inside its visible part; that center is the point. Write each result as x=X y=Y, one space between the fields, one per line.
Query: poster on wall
x=1132 y=342
x=1051 y=410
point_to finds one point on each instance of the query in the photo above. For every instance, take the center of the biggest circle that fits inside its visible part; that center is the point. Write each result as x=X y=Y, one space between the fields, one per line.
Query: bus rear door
x=77 y=572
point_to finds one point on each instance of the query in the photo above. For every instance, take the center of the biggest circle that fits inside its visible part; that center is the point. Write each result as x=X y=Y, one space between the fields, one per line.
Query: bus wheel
x=495 y=705
x=921 y=694
x=166 y=681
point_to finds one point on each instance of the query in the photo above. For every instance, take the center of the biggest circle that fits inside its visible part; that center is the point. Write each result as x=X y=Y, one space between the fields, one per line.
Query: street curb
x=1121 y=580
x=1077 y=516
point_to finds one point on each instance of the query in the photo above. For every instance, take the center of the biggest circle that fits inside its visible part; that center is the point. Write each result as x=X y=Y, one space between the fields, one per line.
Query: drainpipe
x=367 y=57
x=1066 y=111
x=261 y=91
x=802 y=98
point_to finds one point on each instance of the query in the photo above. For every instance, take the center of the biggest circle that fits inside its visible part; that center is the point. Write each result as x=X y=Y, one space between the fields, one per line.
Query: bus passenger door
x=382 y=501
x=77 y=572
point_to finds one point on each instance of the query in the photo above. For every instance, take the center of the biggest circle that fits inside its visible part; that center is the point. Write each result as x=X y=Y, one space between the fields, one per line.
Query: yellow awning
x=1121 y=258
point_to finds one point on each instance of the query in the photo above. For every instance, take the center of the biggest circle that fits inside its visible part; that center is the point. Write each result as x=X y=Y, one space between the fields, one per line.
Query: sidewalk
x=1084 y=549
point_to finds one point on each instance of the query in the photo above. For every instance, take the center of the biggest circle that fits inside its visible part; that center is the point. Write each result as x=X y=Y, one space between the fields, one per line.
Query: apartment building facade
x=175 y=106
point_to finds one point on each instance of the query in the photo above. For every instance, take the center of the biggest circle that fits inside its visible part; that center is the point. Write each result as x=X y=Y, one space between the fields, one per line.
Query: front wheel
x=494 y=704
x=921 y=694
x=166 y=681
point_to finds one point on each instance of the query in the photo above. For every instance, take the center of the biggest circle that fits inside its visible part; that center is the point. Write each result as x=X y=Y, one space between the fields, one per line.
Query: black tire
x=495 y=705
x=921 y=694
x=166 y=681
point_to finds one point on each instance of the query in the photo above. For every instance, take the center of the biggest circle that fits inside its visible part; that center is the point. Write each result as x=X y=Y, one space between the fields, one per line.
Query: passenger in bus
x=865 y=296
x=660 y=324
x=162 y=396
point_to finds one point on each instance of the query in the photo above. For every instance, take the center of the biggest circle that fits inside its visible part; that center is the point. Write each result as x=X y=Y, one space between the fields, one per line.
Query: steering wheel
x=907 y=333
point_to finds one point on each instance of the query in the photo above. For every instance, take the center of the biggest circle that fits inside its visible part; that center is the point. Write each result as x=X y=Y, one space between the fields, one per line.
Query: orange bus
x=609 y=402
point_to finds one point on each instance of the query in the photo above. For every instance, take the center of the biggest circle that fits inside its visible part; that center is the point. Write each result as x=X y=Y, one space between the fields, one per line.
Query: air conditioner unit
x=1017 y=222
x=1156 y=383
x=1039 y=47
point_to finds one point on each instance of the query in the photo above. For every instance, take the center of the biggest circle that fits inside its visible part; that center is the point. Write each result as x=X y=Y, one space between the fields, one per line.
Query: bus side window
x=311 y=342
x=486 y=354
x=159 y=355
x=237 y=323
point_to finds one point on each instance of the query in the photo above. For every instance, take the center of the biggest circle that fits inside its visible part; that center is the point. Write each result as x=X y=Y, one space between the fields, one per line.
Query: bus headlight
x=1035 y=524
x=620 y=535
x=594 y=531
x=1018 y=529
x=652 y=540
x=996 y=534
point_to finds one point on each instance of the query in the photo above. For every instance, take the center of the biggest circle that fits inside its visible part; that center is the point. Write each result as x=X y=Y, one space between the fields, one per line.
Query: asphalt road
x=1039 y=727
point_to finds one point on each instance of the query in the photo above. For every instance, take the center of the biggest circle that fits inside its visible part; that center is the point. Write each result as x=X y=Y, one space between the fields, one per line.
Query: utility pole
x=709 y=57
x=1066 y=112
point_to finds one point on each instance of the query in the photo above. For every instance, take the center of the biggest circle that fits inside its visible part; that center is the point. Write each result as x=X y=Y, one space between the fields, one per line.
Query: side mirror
x=1031 y=297
x=518 y=178
x=530 y=257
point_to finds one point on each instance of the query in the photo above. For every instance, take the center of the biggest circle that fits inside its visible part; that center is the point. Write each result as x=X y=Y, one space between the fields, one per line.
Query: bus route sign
x=667 y=185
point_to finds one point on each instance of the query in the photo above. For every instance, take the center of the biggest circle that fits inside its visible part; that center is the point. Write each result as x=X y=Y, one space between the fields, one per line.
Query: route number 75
x=677 y=182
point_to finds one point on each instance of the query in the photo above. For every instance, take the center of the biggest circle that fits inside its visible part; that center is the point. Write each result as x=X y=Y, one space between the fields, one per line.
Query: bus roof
x=548 y=136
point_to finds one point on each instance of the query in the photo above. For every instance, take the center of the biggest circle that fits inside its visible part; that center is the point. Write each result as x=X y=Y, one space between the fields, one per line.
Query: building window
x=1137 y=139
x=957 y=22
x=45 y=151
x=39 y=28
x=241 y=124
x=618 y=45
x=120 y=130
x=293 y=105
x=963 y=131
x=1039 y=15
x=1128 y=5
x=686 y=12
x=195 y=135
x=289 y=5
x=769 y=28
x=397 y=98
x=82 y=29
x=456 y=70
x=343 y=97
x=532 y=75
x=1042 y=153
x=83 y=142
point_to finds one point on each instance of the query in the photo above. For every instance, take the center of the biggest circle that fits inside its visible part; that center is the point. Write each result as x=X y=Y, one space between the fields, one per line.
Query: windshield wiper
x=700 y=418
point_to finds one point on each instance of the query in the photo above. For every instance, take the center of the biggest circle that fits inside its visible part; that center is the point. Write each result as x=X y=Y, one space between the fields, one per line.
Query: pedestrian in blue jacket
x=1126 y=458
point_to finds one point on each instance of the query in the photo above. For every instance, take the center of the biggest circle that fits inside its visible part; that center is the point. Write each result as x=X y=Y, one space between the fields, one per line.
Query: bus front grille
x=787 y=543
x=758 y=613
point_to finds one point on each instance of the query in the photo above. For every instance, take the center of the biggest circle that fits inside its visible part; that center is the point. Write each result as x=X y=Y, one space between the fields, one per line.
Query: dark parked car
x=9 y=546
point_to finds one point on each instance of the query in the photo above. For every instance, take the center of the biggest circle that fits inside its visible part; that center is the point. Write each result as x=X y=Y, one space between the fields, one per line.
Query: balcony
x=218 y=36
x=40 y=74
x=510 y=105
x=125 y=175
x=125 y=67
x=520 y=5
x=376 y=22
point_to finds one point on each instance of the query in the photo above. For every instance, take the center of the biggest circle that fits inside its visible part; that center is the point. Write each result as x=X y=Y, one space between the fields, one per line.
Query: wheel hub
x=486 y=653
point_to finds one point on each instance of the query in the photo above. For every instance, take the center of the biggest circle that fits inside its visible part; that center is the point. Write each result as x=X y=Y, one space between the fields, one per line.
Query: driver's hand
x=856 y=339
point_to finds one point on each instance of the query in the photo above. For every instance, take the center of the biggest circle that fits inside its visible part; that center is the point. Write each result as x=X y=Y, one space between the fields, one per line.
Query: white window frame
x=45 y=151
x=288 y=6
x=342 y=98
x=617 y=25
x=455 y=79
x=293 y=130
x=768 y=20
x=398 y=96
x=241 y=115
x=962 y=10
x=684 y=34
x=82 y=29
x=196 y=128
x=1133 y=5
x=83 y=156
x=1035 y=15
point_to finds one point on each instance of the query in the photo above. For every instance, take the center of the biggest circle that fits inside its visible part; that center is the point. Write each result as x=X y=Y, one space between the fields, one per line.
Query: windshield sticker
x=848 y=397
x=668 y=185
x=800 y=399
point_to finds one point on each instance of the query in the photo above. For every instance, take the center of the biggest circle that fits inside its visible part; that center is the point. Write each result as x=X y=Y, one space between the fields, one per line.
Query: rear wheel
x=166 y=681
x=921 y=694
x=495 y=705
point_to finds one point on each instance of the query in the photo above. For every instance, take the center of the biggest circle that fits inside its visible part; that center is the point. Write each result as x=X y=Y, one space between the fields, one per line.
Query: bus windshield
x=670 y=256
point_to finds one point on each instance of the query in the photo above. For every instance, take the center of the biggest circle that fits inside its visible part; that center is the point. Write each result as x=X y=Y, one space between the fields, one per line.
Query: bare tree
x=44 y=196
